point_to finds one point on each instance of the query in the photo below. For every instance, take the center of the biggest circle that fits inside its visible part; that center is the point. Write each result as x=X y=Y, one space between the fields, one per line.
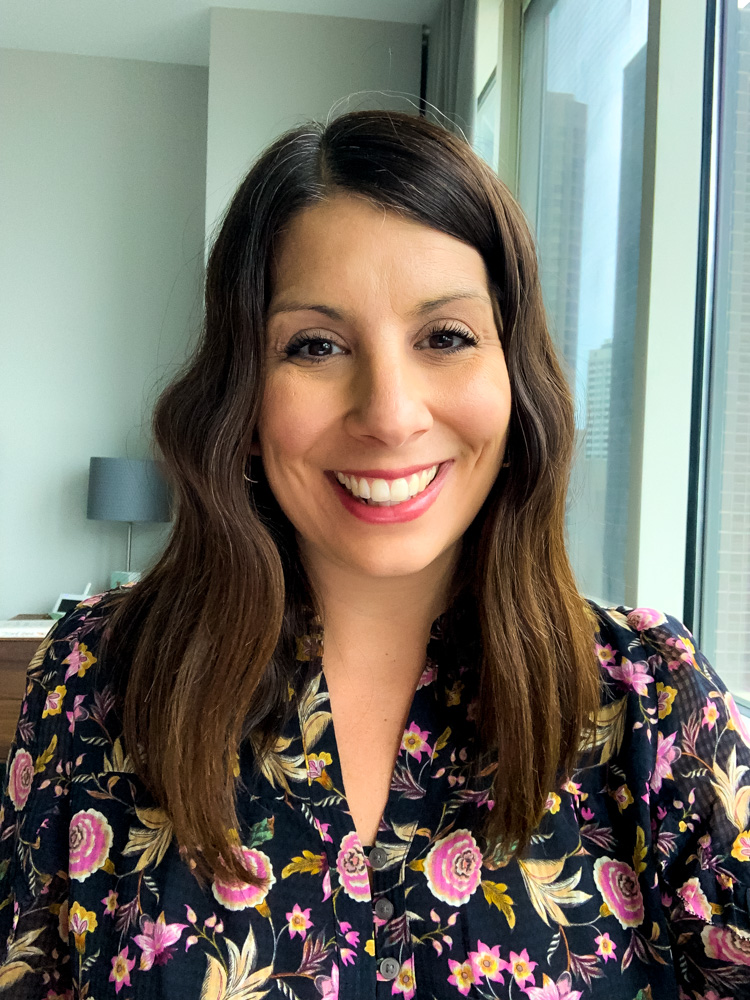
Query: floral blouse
x=636 y=885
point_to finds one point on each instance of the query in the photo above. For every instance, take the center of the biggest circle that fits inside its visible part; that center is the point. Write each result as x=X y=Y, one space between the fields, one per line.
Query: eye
x=308 y=347
x=448 y=340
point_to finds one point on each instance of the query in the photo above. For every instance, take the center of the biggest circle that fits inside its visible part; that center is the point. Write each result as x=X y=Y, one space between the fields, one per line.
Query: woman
x=372 y=442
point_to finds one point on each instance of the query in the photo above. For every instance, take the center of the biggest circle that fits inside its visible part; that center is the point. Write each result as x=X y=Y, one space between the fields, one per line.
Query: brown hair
x=208 y=633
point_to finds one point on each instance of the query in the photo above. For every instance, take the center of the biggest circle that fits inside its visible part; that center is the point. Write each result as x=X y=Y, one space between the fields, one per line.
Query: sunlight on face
x=385 y=370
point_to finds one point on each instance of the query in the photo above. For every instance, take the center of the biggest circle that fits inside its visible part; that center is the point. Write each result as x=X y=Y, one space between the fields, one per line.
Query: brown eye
x=312 y=348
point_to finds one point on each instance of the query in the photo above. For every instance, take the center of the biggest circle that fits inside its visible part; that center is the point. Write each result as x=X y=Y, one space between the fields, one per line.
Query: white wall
x=102 y=198
x=268 y=71
x=104 y=166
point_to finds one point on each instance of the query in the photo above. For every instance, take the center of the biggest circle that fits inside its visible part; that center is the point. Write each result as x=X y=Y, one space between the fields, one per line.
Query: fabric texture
x=635 y=885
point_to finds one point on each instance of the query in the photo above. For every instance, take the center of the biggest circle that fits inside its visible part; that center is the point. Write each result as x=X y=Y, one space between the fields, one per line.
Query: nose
x=390 y=400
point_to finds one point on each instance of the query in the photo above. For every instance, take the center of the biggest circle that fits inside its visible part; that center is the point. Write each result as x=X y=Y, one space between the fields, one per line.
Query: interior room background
x=623 y=126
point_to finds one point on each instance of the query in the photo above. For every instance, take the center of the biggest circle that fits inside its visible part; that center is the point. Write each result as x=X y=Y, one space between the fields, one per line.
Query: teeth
x=381 y=491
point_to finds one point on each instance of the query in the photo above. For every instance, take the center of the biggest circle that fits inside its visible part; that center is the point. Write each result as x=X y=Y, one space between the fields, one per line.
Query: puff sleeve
x=700 y=810
x=35 y=821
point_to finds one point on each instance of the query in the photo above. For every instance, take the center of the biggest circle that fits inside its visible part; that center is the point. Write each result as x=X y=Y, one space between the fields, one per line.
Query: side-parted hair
x=207 y=636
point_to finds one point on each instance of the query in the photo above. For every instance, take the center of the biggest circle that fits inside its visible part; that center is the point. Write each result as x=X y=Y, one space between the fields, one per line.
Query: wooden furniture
x=15 y=656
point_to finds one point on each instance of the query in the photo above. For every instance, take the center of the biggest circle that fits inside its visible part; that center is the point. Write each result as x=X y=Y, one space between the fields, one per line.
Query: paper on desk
x=32 y=628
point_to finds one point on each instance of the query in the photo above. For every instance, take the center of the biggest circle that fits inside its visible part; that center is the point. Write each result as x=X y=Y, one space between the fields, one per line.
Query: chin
x=393 y=560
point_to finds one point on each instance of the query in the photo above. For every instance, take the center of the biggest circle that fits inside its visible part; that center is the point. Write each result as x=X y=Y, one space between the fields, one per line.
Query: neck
x=383 y=622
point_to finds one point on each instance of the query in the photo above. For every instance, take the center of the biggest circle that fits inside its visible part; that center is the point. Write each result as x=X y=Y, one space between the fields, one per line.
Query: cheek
x=481 y=413
x=290 y=421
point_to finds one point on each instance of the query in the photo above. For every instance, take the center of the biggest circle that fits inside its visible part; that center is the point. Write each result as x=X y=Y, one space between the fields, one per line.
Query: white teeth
x=382 y=491
x=379 y=491
x=399 y=490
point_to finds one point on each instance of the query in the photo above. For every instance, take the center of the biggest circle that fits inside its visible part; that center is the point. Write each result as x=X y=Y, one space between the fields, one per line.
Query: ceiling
x=173 y=31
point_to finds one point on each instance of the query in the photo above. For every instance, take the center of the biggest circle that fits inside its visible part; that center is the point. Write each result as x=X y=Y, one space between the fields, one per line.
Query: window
x=724 y=583
x=583 y=87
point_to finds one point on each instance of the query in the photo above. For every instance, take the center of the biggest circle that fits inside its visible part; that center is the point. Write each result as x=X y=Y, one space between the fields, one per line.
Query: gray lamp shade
x=127 y=489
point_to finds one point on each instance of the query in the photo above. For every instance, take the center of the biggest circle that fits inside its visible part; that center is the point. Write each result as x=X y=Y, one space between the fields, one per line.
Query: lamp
x=126 y=489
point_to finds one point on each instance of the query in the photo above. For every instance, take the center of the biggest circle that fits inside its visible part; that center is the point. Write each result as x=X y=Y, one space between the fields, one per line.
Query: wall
x=102 y=198
x=270 y=71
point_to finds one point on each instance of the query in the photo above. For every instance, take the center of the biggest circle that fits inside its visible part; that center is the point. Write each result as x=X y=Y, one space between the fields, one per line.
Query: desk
x=15 y=656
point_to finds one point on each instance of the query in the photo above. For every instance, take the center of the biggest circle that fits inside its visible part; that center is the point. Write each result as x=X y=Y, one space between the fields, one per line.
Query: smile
x=377 y=492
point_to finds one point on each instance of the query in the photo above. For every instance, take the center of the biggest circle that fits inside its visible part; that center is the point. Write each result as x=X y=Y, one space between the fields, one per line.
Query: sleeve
x=700 y=806
x=34 y=823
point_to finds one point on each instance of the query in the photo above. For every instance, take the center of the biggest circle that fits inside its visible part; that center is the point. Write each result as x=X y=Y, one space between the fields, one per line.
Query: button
x=390 y=968
x=383 y=908
x=377 y=859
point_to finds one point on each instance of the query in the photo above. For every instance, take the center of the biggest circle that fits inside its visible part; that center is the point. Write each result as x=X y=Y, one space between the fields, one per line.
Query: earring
x=505 y=465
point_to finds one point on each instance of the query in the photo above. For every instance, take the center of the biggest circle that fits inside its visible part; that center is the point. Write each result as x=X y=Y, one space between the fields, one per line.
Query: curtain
x=451 y=97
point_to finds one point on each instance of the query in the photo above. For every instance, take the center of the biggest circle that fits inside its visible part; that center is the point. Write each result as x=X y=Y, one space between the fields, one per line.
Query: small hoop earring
x=245 y=475
x=505 y=465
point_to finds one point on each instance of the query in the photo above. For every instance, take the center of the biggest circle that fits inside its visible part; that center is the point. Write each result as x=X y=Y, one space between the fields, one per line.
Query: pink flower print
x=157 y=940
x=552 y=804
x=453 y=868
x=574 y=788
x=429 y=674
x=618 y=884
x=727 y=944
x=550 y=990
x=121 y=969
x=414 y=741
x=299 y=921
x=521 y=967
x=741 y=846
x=737 y=720
x=350 y=936
x=53 y=704
x=694 y=899
x=327 y=890
x=643 y=618
x=462 y=976
x=79 y=660
x=605 y=947
x=90 y=838
x=316 y=767
x=20 y=778
x=239 y=895
x=82 y=922
x=587 y=814
x=328 y=986
x=631 y=675
x=710 y=714
x=404 y=982
x=486 y=961
x=78 y=714
x=351 y=865
x=605 y=653
x=322 y=829
x=684 y=649
x=110 y=904
x=666 y=755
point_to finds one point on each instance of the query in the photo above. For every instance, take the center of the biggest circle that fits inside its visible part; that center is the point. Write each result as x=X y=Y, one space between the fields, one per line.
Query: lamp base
x=121 y=578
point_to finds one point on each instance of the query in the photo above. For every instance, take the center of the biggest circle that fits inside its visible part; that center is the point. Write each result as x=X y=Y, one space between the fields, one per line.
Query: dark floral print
x=636 y=884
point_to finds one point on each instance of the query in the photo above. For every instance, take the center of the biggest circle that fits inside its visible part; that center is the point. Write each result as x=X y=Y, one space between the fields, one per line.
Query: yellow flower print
x=622 y=797
x=79 y=660
x=552 y=804
x=666 y=696
x=316 y=768
x=53 y=704
x=741 y=846
x=81 y=923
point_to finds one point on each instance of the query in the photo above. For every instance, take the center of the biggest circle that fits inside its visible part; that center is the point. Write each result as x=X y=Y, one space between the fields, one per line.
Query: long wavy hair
x=207 y=635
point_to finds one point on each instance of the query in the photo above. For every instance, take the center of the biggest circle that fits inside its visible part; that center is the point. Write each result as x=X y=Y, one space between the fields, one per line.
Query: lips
x=392 y=512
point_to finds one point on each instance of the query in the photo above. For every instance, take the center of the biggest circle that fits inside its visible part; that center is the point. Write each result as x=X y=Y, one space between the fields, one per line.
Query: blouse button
x=383 y=908
x=389 y=968
x=378 y=858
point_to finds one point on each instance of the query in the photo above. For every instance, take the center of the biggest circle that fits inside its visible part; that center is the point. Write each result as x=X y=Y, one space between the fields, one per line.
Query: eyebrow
x=428 y=305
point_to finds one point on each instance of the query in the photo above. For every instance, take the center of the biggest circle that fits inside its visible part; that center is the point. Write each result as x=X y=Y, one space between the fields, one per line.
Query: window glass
x=725 y=609
x=581 y=161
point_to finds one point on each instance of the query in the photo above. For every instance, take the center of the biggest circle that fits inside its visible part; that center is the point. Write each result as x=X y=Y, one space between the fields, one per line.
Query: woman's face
x=385 y=378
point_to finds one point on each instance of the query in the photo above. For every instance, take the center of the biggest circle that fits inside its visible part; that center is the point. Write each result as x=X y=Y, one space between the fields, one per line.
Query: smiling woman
x=361 y=685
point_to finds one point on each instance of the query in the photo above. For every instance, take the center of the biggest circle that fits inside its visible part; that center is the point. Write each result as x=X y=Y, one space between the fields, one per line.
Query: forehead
x=347 y=246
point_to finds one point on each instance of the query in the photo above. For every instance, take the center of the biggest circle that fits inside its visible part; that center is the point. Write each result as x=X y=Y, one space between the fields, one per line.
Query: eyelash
x=293 y=349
